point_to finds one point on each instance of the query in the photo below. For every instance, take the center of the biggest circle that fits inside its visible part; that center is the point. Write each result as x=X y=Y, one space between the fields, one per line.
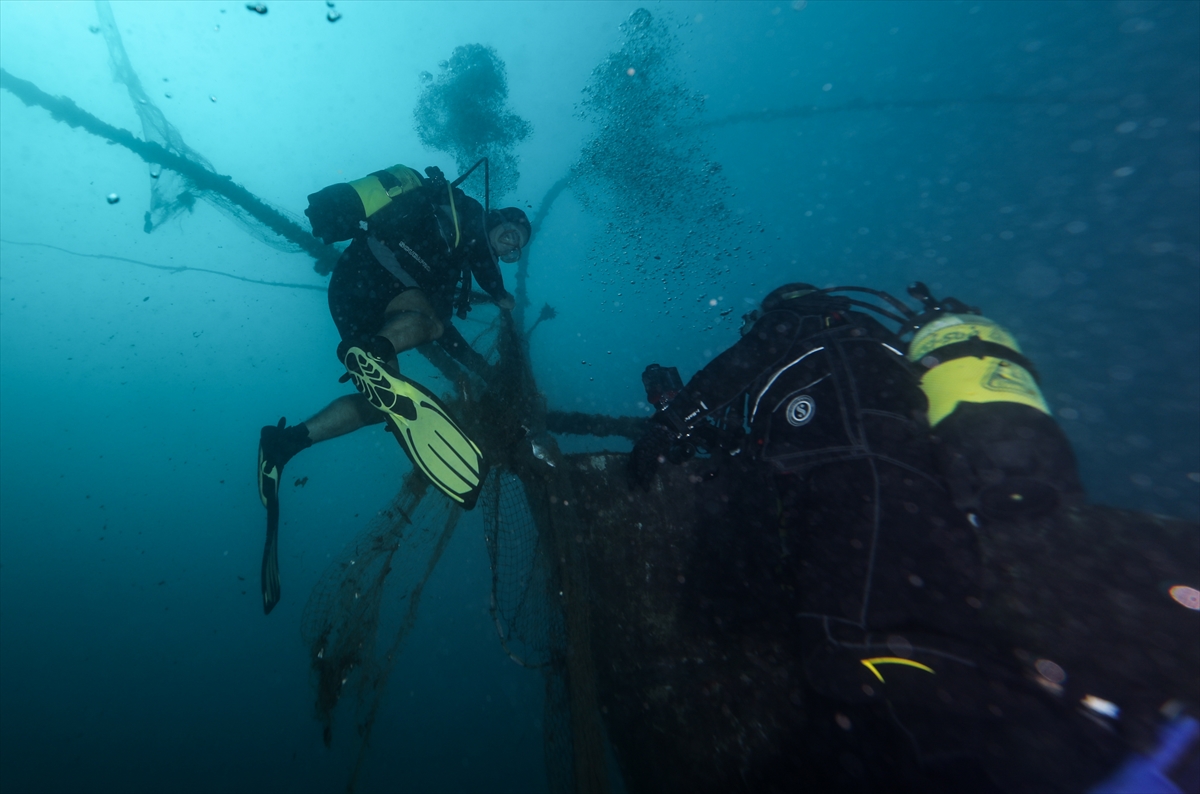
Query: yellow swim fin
x=422 y=424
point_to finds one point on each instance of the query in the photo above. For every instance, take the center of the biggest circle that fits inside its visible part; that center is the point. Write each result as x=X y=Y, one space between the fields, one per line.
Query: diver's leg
x=343 y=415
x=410 y=320
x=278 y=444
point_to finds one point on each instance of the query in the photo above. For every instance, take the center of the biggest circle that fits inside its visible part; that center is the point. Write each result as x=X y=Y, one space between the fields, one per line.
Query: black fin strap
x=977 y=348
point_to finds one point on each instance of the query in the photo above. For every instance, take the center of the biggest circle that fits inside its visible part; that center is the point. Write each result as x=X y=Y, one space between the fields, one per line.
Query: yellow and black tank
x=1001 y=451
x=337 y=212
x=953 y=375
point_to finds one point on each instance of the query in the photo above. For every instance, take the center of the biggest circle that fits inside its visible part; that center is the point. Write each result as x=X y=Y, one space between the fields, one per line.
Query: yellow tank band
x=407 y=177
x=375 y=197
x=958 y=328
x=978 y=380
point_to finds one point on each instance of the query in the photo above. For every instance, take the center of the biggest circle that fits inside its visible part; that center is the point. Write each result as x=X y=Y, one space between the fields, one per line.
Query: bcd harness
x=341 y=212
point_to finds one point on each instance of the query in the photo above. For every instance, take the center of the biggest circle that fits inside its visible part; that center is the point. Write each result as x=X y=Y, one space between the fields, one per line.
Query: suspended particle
x=212 y=97
x=1101 y=706
x=1186 y=596
x=333 y=16
x=258 y=8
x=112 y=198
x=1050 y=671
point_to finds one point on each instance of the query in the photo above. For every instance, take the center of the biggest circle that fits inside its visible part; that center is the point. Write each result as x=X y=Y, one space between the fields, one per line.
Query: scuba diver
x=861 y=478
x=414 y=240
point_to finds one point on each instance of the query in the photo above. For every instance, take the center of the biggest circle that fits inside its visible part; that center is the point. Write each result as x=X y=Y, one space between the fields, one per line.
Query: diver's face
x=507 y=241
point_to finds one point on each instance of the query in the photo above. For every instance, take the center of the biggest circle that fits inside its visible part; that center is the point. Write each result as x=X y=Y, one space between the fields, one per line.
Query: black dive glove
x=650 y=451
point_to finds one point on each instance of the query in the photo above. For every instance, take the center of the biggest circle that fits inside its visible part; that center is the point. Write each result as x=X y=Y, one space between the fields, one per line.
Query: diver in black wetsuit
x=393 y=288
x=852 y=535
x=414 y=241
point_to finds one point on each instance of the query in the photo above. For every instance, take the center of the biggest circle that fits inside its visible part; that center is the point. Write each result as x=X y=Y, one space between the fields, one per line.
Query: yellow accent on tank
x=958 y=328
x=375 y=197
x=971 y=379
x=870 y=664
x=978 y=380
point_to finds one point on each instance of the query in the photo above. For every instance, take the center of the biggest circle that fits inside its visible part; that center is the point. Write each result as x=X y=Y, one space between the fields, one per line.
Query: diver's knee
x=436 y=329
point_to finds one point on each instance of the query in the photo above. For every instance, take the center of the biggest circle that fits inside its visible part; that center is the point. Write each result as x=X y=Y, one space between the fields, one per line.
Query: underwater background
x=1039 y=160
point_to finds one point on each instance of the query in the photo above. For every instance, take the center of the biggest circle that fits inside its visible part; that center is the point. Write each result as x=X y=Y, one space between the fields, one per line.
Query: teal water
x=1039 y=160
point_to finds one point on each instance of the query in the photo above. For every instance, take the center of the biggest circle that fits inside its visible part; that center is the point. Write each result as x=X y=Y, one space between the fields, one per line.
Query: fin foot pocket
x=421 y=423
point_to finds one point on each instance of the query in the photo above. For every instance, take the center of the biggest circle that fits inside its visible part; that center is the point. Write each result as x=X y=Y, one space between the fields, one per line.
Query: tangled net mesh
x=529 y=631
x=464 y=112
x=365 y=606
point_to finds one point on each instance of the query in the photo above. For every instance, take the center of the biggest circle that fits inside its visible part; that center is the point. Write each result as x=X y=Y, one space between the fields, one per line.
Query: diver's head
x=777 y=298
x=508 y=232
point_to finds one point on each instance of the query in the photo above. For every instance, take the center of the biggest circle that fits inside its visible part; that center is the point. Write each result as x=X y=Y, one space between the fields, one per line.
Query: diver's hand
x=507 y=303
x=648 y=453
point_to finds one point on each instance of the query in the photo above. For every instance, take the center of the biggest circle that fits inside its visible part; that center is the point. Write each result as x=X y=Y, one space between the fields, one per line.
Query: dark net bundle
x=365 y=605
x=364 y=608
x=646 y=166
x=464 y=112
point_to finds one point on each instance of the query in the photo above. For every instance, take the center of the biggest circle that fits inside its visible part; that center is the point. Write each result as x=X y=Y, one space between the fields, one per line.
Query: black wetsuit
x=840 y=543
x=836 y=413
x=418 y=232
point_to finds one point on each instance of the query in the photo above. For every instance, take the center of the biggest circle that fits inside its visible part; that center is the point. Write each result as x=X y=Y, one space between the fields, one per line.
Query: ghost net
x=587 y=577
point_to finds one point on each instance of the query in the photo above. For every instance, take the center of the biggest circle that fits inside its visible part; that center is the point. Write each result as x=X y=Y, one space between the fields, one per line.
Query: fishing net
x=464 y=112
x=172 y=192
x=588 y=578
x=524 y=607
x=365 y=606
x=352 y=630
x=521 y=573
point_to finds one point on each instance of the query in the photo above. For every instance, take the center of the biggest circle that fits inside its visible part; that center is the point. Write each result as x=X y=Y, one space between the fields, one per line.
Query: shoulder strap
x=390 y=263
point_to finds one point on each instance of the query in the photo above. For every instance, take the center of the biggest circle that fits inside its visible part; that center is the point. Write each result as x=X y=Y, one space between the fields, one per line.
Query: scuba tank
x=340 y=212
x=999 y=448
x=337 y=212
